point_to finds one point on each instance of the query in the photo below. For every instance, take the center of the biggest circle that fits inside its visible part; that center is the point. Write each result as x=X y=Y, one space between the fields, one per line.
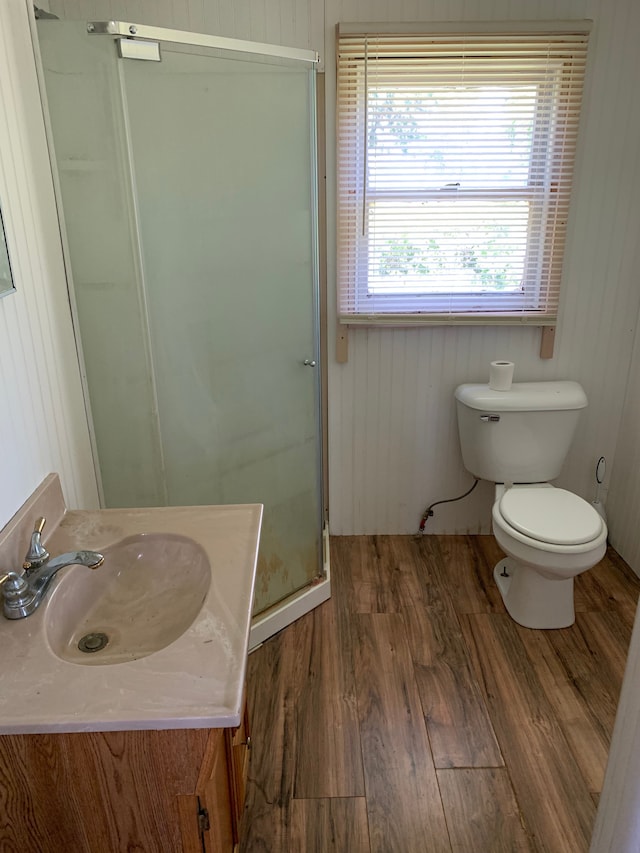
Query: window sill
x=424 y=319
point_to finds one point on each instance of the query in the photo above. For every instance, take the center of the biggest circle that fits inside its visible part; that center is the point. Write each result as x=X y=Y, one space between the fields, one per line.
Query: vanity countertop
x=195 y=682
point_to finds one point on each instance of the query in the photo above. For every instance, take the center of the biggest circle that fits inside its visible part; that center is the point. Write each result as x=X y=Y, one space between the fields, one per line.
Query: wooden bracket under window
x=342 y=344
x=547 y=341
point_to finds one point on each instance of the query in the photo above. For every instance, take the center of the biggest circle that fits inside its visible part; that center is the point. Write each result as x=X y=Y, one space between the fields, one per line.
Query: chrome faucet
x=23 y=592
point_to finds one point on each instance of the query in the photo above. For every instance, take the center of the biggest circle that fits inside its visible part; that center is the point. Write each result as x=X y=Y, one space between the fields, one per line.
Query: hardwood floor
x=410 y=713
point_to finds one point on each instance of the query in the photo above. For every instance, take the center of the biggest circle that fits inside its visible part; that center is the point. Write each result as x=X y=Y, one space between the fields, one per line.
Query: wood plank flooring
x=410 y=713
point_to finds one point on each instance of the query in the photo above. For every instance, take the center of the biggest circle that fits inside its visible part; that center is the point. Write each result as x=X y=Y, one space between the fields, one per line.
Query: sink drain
x=93 y=642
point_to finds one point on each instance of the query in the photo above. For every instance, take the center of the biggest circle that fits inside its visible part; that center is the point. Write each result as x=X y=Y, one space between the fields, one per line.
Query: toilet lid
x=551 y=515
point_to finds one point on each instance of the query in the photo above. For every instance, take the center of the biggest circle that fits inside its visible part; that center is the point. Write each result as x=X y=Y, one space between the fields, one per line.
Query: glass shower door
x=188 y=188
x=222 y=154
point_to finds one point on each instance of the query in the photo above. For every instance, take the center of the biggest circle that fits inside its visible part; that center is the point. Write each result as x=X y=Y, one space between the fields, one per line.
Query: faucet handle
x=37 y=553
x=12 y=584
x=16 y=594
x=13 y=579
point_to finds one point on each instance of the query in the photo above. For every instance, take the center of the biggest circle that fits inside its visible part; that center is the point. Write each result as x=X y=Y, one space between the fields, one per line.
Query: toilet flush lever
x=490 y=418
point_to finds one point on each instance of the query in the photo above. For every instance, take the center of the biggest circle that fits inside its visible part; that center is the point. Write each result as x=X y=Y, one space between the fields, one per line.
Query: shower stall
x=186 y=171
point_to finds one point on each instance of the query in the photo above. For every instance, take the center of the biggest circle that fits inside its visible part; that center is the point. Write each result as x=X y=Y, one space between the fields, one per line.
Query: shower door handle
x=309 y=363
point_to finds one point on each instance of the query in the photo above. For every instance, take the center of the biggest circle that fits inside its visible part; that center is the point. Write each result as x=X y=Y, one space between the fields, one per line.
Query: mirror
x=6 y=279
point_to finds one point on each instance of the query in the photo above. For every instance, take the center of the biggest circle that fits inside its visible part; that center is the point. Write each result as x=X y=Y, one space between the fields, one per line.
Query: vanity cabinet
x=169 y=791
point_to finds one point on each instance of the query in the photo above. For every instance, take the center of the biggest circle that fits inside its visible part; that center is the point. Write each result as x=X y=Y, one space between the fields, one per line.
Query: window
x=455 y=159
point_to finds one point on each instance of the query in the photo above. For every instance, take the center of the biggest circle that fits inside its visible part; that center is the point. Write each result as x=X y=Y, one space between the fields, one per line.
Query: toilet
x=519 y=439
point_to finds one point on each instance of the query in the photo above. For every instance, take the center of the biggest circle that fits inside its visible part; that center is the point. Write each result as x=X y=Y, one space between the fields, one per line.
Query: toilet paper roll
x=500 y=375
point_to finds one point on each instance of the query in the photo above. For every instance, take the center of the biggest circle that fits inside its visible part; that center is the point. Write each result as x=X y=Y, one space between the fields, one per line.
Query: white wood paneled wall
x=396 y=390
x=43 y=427
x=623 y=507
x=392 y=431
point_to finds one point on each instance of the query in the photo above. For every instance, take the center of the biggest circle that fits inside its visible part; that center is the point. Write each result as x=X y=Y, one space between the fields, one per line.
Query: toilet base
x=532 y=600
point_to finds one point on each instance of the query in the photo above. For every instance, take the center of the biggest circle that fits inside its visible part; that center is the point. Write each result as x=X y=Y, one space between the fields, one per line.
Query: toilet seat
x=550 y=515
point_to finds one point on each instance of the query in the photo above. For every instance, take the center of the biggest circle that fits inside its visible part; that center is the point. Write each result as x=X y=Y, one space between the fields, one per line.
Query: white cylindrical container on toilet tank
x=501 y=375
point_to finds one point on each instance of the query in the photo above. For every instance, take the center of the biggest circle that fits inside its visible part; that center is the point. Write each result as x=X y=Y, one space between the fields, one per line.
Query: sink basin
x=147 y=593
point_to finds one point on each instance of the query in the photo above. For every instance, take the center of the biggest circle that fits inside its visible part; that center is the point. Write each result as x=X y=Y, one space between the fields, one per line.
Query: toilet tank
x=518 y=436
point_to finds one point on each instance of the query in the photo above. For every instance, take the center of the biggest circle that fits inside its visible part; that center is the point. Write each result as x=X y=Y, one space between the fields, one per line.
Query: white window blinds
x=455 y=161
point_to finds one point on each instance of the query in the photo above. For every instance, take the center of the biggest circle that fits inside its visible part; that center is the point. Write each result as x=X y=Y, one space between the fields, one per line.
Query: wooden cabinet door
x=238 y=743
x=215 y=797
x=211 y=816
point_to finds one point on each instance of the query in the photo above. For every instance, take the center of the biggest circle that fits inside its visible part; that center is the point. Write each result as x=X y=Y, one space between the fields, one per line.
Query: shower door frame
x=128 y=30
x=301 y=601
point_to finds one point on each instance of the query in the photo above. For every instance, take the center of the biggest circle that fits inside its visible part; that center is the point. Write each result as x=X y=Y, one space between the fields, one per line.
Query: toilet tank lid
x=560 y=395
